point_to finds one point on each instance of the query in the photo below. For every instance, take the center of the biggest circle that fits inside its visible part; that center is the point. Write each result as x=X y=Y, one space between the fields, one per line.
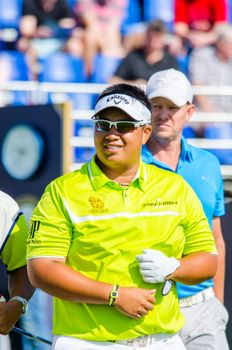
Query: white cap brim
x=133 y=107
x=170 y=95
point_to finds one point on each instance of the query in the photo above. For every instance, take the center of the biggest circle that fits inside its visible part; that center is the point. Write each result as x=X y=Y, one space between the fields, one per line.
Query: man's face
x=155 y=41
x=168 y=120
x=119 y=150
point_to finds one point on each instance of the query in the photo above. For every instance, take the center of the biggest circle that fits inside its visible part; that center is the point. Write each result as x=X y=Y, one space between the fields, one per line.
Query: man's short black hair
x=127 y=89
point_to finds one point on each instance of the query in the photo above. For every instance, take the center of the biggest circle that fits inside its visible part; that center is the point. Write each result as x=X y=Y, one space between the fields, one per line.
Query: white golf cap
x=133 y=107
x=171 y=84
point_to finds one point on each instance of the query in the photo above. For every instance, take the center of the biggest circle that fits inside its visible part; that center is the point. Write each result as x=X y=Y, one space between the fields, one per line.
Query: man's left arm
x=199 y=257
x=219 y=278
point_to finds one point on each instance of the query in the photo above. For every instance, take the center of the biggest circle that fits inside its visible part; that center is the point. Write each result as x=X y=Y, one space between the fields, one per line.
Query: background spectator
x=212 y=66
x=197 y=21
x=46 y=26
x=45 y=18
x=141 y=63
x=102 y=20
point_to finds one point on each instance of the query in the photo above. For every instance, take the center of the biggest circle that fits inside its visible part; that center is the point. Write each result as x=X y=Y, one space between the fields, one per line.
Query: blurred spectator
x=102 y=21
x=46 y=18
x=197 y=21
x=141 y=63
x=212 y=66
x=48 y=26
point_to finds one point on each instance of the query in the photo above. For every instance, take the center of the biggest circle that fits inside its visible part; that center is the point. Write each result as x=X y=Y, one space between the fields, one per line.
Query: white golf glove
x=155 y=265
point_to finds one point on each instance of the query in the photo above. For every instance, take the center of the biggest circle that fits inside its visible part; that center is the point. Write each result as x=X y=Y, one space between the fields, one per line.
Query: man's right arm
x=56 y=278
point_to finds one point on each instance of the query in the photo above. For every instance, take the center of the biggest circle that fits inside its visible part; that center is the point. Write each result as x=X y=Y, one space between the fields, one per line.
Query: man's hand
x=156 y=266
x=9 y=315
x=135 y=302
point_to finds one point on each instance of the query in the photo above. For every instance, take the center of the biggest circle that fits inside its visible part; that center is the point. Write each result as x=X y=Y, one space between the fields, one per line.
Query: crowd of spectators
x=113 y=28
x=111 y=41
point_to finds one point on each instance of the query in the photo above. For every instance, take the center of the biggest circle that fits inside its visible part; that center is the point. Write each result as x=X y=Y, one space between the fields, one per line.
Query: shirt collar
x=99 y=179
x=186 y=151
x=186 y=155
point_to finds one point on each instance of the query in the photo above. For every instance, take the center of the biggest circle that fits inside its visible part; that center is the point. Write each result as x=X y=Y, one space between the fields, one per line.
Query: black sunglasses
x=122 y=126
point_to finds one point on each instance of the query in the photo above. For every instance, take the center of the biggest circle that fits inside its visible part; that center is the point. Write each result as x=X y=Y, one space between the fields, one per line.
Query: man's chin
x=162 y=134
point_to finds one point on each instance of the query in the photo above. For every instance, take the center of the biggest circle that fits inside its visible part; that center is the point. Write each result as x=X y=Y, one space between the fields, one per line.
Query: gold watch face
x=22 y=151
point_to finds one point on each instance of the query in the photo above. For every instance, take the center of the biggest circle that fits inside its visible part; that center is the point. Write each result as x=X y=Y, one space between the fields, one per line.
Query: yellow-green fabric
x=13 y=233
x=100 y=227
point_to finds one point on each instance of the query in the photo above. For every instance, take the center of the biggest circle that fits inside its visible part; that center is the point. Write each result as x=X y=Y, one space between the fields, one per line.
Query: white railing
x=38 y=95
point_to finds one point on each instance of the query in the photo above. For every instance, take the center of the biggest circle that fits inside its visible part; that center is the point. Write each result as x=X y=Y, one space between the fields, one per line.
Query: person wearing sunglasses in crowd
x=93 y=230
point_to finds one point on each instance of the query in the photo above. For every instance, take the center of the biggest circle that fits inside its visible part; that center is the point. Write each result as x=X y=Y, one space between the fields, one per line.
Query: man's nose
x=163 y=113
x=112 y=132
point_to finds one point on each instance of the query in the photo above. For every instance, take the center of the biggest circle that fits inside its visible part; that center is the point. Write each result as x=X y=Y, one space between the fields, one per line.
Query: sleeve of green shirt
x=50 y=228
x=198 y=235
x=14 y=252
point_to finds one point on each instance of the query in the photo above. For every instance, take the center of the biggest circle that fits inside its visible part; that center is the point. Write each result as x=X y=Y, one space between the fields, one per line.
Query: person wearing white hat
x=93 y=229
x=171 y=97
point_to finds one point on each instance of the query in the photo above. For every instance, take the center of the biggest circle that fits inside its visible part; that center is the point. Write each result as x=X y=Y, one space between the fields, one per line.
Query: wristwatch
x=22 y=301
x=113 y=295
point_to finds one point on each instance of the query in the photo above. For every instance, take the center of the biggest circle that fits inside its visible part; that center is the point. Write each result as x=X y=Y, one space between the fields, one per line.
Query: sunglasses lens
x=103 y=126
x=124 y=127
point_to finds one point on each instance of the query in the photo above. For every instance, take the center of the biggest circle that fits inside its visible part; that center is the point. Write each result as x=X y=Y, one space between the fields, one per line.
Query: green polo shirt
x=100 y=227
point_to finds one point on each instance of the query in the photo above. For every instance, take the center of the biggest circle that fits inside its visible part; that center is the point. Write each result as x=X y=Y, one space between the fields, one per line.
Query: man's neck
x=123 y=176
x=166 y=152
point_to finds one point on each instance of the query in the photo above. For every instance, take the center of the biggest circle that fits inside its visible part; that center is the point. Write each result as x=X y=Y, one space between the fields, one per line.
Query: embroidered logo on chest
x=97 y=205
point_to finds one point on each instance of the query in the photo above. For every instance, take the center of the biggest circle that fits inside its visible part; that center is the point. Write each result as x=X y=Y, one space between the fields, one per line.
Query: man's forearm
x=195 y=268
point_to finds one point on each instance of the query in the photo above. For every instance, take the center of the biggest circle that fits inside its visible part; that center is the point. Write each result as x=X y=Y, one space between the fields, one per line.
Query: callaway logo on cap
x=134 y=108
x=117 y=99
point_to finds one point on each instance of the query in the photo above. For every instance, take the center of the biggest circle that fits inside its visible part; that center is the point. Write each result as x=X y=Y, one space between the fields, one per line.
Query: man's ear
x=147 y=129
x=190 y=110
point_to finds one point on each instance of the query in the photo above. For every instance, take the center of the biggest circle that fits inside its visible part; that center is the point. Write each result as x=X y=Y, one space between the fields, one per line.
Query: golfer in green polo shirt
x=106 y=239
